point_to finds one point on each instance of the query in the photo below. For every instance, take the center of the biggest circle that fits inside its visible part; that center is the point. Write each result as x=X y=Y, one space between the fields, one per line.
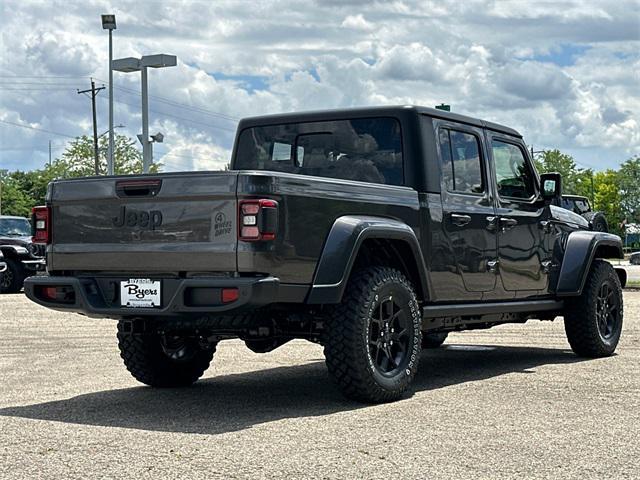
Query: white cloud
x=357 y=22
x=564 y=74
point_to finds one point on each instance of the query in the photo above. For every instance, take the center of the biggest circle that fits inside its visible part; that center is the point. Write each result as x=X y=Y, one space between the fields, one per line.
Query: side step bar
x=475 y=309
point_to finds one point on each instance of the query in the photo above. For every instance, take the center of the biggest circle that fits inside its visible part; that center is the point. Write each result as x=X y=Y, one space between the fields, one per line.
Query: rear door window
x=461 y=162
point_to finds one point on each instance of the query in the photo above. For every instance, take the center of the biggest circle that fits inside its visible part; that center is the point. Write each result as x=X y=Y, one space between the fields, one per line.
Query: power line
x=16 y=84
x=48 y=89
x=37 y=129
x=44 y=76
x=4 y=82
x=176 y=104
x=179 y=118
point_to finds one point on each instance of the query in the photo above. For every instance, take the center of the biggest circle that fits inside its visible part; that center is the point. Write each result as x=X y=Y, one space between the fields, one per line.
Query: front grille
x=37 y=250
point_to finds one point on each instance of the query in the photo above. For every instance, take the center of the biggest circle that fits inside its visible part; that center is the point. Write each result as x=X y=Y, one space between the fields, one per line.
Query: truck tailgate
x=183 y=222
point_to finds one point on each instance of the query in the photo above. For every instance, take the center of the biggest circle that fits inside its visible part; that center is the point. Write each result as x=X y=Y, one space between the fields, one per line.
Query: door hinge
x=546 y=226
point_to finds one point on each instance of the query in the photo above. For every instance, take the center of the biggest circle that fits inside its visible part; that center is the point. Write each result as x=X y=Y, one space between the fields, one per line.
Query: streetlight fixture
x=107 y=131
x=132 y=64
x=109 y=23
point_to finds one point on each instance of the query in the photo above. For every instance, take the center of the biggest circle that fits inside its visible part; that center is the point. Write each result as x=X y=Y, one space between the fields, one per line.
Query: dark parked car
x=374 y=232
x=581 y=206
x=634 y=259
x=22 y=257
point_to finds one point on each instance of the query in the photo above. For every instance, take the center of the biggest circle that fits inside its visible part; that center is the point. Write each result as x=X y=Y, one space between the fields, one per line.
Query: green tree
x=23 y=190
x=629 y=184
x=14 y=199
x=78 y=158
x=575 y=181
x=608 y=198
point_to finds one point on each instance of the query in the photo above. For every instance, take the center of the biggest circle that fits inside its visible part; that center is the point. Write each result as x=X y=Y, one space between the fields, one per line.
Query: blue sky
x=564 y=73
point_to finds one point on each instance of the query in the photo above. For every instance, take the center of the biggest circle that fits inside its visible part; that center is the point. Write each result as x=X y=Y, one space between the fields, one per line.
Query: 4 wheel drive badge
x=222 y=226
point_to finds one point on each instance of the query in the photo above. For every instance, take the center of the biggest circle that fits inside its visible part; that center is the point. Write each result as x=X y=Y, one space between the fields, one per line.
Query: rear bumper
x=99 y=297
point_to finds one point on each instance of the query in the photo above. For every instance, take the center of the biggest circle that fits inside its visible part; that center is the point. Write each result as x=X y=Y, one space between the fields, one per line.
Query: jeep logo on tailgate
x=138 y=218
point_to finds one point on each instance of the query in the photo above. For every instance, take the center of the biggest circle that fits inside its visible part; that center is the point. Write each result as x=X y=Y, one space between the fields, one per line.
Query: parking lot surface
x=502 y=403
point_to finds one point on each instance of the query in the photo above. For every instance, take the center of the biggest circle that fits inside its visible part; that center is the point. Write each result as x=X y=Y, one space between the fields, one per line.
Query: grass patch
x=633 y=284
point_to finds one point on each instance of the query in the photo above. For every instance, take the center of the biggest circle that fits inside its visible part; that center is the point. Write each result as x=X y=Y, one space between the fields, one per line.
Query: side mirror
x=551 y=186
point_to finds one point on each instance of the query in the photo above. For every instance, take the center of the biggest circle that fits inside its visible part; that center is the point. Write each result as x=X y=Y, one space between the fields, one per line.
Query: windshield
x=364 y=149
x=15 y=227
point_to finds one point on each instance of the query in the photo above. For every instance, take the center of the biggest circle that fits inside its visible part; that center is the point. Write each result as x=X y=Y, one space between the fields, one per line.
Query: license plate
x=140 y=292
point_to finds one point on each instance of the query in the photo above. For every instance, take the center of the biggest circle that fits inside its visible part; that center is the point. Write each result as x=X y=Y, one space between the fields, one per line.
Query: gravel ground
x=502 y=403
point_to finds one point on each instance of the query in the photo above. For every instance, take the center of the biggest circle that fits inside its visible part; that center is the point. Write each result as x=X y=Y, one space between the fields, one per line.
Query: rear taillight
x=230 y=295
x=56 y=294
x=41 y=224
x=257 y=220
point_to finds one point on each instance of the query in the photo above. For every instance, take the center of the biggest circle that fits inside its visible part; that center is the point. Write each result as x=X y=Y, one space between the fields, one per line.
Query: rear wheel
x=373 y=339
x=163 y=360
x=433 y=340
x=593 y=321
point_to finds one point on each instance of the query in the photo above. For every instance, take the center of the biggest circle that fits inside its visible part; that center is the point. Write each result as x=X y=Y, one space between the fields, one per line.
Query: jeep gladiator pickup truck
x=372 y=231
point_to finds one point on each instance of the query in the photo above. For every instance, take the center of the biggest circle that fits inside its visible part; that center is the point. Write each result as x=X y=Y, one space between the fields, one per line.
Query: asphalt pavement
x=511 y=402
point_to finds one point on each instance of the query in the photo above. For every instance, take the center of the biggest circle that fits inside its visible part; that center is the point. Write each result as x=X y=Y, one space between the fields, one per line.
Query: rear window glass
x=368 y=149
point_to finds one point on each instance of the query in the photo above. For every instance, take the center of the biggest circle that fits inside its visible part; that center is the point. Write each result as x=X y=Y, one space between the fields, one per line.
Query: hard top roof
x=362 y=112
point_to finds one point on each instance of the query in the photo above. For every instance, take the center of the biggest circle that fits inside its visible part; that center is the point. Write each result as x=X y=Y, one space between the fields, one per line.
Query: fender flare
x=17 y=250
x=579 y=253
x=341 y=249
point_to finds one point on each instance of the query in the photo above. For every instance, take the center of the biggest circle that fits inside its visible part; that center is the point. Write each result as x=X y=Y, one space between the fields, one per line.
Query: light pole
x=132 y=64
x=109 y=23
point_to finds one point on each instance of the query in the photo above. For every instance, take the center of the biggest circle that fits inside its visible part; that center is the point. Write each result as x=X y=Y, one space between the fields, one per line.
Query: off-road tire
x=433 y=340
x=349 y=324
x=581 y=322
x=12 y=279
x=597 y=220
x=147 y=361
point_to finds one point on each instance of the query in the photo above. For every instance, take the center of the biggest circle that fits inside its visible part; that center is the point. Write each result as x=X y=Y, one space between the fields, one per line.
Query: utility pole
x=49 y=152
x=94 y=91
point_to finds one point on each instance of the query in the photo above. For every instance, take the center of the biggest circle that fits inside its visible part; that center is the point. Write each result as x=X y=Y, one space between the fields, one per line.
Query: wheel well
x=391 y=253
x=9 y=253
x=607 y=251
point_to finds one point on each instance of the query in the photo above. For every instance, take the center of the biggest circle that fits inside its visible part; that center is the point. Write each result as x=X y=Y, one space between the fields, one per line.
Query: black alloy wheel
x=607 y=310
x=390 y=334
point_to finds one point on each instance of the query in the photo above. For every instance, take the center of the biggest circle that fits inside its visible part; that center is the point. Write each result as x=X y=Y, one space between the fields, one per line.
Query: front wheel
x=373 y=339
x=163 y=360
x=593 y=321
x=13 y=277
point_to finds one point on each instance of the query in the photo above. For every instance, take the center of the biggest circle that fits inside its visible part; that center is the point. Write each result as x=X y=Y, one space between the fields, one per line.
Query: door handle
x=491 y=223
x=507 y=223
x=460 y=219
x=492 y=266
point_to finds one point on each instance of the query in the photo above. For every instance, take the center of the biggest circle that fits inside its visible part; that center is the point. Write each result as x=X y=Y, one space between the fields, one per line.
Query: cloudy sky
x=566 y=74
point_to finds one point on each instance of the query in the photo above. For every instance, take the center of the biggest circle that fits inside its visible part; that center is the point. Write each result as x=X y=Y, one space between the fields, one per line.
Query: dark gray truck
x=373 y=231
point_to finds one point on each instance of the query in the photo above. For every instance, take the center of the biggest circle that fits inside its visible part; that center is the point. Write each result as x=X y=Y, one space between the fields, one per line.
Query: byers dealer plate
x=140 y=292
